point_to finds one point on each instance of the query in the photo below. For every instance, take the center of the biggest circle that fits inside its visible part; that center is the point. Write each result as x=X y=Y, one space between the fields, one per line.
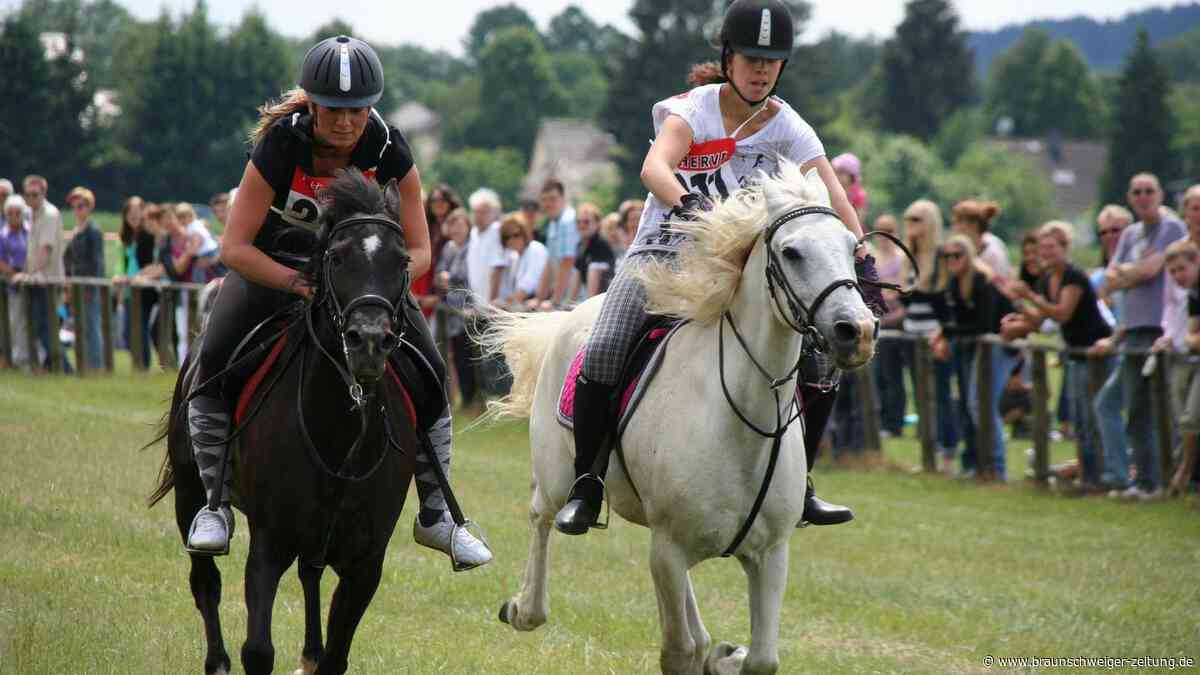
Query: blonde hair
x=1114 y=211
x=1182 y=248
x=926 y=252
x=184 y=212
x=293 y=101
x=967 y=285
x=1192 y=193
x=512 y=224
x=1060 y=230
x=610 y=225
x=590 y=209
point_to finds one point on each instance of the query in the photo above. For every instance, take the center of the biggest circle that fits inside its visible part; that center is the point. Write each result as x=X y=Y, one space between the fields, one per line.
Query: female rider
x=711 y=140
x=326 y=125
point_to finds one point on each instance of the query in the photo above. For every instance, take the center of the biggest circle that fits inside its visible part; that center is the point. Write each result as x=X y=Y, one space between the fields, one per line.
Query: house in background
x=1072 y=167
x=422 y=128
x=575 y=152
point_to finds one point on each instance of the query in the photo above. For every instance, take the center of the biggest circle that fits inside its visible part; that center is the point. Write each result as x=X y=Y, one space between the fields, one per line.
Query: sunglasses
x=953 y=255
x=912 y=219
x=1109 y=230
x=33 y=195
x=438 y=199
x=1138 y=192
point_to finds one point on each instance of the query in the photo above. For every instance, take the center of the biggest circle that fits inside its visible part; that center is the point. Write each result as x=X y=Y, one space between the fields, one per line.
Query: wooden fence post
x=137 y=330
x=985 y=465
x=106 y=326
x=869 y=400
x=166 y=328
x=927 y=412
x=54 y=346
x=81 y=336
x=1164 y=429
x=30 y=333
x=192 y=310
x=1041 y=416
x=1097 y=376
x=6 y=346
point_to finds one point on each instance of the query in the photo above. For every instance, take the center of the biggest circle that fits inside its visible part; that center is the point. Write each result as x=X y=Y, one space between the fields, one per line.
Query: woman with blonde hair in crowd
x=923 y=238
x=1064 y=294
x=973 y=308
x=527 y=262
x=630 y=211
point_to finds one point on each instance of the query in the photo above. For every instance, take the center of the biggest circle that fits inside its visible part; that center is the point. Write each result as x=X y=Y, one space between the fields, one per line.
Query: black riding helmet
x=342 y=72
x=760 y=29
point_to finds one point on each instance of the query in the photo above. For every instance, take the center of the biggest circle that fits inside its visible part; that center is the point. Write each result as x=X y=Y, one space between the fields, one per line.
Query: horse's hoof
x=504 y=611
x=725 y=659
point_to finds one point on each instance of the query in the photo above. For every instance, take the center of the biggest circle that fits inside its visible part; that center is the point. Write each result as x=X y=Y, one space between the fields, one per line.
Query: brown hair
x=127 y=230
x=978 y=212
x=708 y=72
x=553 y=185
x=514 y=224
x=1182 y=248
x=292 y=101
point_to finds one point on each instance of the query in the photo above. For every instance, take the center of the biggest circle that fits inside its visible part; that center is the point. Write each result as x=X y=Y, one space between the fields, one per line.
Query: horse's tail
x=166 y=475
x=523 y=340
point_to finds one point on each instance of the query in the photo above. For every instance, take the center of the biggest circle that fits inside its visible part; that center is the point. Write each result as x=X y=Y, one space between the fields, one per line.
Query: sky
x=442 y=25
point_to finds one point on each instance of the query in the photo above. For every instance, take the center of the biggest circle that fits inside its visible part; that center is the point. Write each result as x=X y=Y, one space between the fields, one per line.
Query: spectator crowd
x=551 y=253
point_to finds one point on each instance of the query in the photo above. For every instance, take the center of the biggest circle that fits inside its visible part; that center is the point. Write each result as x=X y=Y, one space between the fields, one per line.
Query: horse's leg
x=668 y=566
x=205 y=578
x=263 y=570
x=531 y=606
x=696 y=624
x=310 y=581
x=353 y=594
x=767 y=574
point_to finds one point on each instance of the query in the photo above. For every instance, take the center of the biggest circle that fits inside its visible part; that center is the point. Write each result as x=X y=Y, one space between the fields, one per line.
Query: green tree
x=44 y=108
x=1181 y=56
x=331 y=28
x=1045 y=86
x=927 y=70
x=490 y=23
x=258 y=65
x=500 y=169
x=583 y=83
x=572 y=30
x=988 y=171
x=898 y=170
x=1143 y=126
x=98 y=28
x=518 y=89
x=1185 y=105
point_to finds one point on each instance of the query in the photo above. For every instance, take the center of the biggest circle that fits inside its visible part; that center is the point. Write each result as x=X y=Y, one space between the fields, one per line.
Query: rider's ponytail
x=293 y=101
x=708 y=72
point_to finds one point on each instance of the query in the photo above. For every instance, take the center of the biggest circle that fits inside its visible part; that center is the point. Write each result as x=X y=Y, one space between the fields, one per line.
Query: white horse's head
x=811 y=267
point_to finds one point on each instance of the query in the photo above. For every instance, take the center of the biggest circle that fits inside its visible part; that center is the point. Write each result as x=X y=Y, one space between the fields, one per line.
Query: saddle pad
x=634 y=388
x=260 y=374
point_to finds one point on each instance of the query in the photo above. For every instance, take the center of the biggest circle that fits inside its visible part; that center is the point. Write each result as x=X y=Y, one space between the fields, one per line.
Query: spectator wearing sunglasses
x=1137 y=268
x=45 y=259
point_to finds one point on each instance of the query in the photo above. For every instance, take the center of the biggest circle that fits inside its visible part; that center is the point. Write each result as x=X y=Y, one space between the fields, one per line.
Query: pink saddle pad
x=566 y=399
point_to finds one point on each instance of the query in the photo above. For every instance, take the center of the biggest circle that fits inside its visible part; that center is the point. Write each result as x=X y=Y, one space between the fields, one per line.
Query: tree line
x=912 y=106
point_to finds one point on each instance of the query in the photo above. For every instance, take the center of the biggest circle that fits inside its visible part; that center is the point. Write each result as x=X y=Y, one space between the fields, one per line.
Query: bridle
x=340 y=315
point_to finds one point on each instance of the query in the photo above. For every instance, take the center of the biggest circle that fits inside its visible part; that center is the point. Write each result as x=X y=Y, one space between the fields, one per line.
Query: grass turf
x=932 y=576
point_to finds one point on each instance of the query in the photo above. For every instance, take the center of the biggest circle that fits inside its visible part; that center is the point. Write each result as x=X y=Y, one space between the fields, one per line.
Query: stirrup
x=603 y=498
x=209 y=552
x=455 y=565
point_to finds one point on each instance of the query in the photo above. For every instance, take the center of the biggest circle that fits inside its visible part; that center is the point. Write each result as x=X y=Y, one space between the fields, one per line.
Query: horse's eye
x=335 y=260
x=791 y=254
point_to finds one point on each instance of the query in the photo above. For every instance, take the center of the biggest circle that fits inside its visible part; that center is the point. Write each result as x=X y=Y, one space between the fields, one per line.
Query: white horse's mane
x=700 y=285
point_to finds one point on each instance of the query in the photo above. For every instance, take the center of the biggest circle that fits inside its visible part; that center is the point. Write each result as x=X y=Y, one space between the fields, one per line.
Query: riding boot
x=208 y=427
x=818 y=406
x=593 y=406
x=434 y=527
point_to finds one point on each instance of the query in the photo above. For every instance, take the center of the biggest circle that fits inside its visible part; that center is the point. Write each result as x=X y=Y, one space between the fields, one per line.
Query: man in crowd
x=1136 y=269
x=44 y=260
x=487 y=260
x=562 y=241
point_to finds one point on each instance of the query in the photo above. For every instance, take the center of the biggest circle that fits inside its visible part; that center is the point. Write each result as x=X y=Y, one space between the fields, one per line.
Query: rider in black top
x=326 y=125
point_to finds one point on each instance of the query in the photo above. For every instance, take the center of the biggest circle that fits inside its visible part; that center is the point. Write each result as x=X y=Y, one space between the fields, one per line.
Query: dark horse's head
x=360 y=270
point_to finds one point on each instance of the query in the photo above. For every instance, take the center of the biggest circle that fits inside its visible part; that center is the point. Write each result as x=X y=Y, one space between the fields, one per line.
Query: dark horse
x=324 y=461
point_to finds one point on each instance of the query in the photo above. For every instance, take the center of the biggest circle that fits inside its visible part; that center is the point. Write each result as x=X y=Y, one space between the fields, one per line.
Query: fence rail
x=171 y=294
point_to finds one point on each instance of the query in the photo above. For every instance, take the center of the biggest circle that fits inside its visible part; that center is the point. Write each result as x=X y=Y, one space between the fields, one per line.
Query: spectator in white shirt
x=486 y=259
x=527 y=260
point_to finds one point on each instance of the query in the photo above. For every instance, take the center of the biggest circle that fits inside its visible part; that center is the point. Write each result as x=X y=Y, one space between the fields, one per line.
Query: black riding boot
x=593 y=405
x=818 y=406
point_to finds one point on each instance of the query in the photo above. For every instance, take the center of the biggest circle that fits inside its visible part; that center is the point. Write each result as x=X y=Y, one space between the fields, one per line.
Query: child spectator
x=1183 y=265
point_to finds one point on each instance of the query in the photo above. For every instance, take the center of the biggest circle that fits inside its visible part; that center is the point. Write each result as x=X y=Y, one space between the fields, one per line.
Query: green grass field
x=931 y=577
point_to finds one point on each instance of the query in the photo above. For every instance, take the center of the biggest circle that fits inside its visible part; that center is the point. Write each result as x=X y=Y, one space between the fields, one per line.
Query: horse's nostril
x=354 y=339
x=846 y=331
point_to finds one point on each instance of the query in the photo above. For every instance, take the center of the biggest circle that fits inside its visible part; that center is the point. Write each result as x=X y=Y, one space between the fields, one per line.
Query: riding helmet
x=342 y=72
x=759 y=28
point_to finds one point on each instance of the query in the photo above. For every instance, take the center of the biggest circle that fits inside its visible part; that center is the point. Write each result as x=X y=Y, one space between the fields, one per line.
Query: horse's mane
x=351 y=193
x=700 y=285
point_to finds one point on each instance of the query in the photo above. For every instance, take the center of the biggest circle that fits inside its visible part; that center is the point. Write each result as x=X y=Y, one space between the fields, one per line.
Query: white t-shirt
x=525 y=271
x=995 y=254
x=208 y=244
x=717 y=164
x=485 y=254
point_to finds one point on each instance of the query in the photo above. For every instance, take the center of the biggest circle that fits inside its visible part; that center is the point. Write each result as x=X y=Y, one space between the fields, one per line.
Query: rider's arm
x=669 y=148
x=246 y=217
x=416 y=227
x=837 y=194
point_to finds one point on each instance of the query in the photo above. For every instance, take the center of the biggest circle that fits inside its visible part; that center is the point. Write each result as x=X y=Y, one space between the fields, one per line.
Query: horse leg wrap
x=208 y=426
x=429 y=489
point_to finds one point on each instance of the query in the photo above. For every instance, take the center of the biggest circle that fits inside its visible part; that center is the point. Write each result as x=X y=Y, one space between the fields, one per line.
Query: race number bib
x=706 y=168
x=305 y=200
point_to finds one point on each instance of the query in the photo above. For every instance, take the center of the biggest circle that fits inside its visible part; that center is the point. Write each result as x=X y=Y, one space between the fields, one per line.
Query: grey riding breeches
x=622 y=319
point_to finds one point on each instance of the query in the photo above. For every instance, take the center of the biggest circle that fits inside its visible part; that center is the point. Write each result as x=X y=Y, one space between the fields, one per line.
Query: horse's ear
x=817 y=187
x=391 y=198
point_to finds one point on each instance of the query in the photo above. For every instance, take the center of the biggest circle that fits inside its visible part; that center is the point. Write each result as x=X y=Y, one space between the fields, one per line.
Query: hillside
x=1103 y=43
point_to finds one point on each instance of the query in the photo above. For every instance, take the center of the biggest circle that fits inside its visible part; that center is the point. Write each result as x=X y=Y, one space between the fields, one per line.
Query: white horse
x=696 y=467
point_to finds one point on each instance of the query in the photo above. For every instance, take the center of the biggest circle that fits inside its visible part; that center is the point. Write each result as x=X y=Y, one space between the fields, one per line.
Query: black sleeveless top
x=284 y=158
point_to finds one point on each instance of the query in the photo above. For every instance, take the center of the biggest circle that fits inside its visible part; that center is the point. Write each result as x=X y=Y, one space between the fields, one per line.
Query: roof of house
x=1074 y=169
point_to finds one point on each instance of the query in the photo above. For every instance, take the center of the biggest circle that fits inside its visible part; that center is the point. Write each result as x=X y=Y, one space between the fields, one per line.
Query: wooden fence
x=171 y=294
